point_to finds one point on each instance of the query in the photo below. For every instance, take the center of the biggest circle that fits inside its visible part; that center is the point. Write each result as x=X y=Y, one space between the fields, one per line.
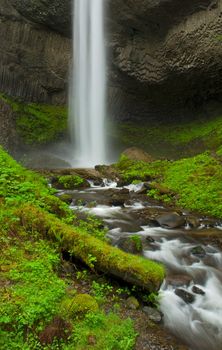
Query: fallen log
x=95 y=253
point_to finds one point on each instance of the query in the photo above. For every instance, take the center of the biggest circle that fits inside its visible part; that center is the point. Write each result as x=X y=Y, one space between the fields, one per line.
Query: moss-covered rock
x=132 y=303
x=69 y=182
x=79 y=305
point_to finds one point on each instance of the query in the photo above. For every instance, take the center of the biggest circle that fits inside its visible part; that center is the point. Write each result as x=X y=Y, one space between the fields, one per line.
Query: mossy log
x=95 y=253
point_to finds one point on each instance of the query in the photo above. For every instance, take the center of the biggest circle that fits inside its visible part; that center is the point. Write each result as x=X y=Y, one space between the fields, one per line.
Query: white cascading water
x=88 y=87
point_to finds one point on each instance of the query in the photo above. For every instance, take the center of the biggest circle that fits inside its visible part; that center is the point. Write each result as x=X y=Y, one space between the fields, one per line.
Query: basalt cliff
x=165 y=57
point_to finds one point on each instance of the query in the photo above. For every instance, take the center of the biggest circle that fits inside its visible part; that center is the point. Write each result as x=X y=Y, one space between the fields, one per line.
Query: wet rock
x=179 y=280
x=192 y=221
x=117 y=198
x=134 y=153
x=186 y=296
x=132 y=303
x=130 y=244
x=170 y=220
x=65 y=197
x=197 y=290
x=153 y=314
x=108 y=172
x=92 y=204
x=198 y=251
x=144 y=189
x=150 y=239
x=208 y=222
x=147 y=216
x=98 y=183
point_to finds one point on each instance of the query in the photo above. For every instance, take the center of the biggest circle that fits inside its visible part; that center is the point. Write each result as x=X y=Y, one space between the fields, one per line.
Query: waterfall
x=88 y=85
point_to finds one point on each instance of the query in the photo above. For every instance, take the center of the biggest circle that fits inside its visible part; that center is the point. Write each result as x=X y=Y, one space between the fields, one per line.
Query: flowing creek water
x=191 y=295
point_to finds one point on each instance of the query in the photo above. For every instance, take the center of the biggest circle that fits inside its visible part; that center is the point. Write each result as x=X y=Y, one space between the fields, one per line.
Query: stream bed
x=191 y=294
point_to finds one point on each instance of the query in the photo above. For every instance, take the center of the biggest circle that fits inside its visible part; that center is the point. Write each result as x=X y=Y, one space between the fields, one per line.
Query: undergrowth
x=35 y=228
x=193 y=183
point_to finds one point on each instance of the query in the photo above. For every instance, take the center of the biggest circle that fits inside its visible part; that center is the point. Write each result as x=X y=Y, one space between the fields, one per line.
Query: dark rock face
x=34 y=61
x=7 y=126
x=55 y=14
x=165 y=56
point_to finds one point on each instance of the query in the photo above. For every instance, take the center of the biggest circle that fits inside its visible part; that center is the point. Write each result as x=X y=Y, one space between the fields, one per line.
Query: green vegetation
x=37 y=309
x=93 y=252
x=99 y=331
x=163 y=139
x=70 y=182
x=38 y=123
x=137 y=170
x=193 y=183
x=78 y=306
x=137 y=241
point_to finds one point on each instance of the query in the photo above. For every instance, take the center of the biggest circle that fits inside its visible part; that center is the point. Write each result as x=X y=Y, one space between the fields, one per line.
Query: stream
x=191 y=294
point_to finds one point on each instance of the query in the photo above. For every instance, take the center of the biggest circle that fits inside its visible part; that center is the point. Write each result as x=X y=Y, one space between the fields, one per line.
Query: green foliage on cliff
x=38 y=123
x=171 y=139
x=196 y=181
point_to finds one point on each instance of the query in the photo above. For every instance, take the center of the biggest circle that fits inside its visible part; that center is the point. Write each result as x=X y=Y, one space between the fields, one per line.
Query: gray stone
x=171 y=220
x=153 y=314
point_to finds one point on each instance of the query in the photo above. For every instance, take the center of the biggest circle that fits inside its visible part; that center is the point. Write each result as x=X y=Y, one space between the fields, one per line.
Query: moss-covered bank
x=34 y=292
x=193 y=183
x=172 y=139
x=38 y=124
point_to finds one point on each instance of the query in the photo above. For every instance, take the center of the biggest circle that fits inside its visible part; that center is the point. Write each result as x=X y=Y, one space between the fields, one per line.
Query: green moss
x=79 y=305
x=94 y=252
x=137 y=241
x=171 y=139
x=30 y=290
x=138 y=170
x=196 y=181
x=70 y=182
x=38 y=123
x=99 y=331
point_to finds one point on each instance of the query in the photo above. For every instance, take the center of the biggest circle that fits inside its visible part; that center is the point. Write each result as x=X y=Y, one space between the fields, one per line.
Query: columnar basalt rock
x=166 y=57
x=34 y=60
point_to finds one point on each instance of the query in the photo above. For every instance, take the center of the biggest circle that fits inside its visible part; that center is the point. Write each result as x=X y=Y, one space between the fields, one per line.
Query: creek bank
x=140 y=221
x=30 y=215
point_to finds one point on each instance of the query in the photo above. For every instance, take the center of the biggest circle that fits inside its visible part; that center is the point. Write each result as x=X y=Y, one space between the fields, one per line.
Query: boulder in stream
x=197 y=290
x=170 y=220
x=186 y=296
x=198 y=251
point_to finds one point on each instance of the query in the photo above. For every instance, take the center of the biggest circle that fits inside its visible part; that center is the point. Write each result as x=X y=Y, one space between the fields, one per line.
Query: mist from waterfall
x=88 y=86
